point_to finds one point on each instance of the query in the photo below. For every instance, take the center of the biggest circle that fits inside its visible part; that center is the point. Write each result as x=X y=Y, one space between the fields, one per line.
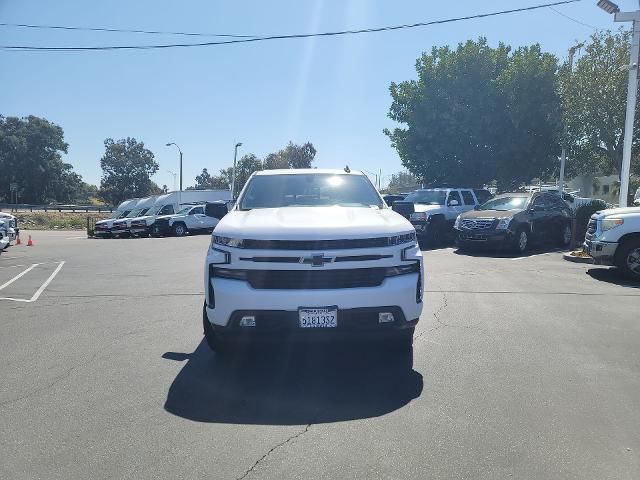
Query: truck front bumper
x=603 y=253
x=358 y=308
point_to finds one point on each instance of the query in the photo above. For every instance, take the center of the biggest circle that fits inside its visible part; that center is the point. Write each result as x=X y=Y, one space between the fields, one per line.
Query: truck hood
x=303 y=223
x=431 y=209
x=616 y=211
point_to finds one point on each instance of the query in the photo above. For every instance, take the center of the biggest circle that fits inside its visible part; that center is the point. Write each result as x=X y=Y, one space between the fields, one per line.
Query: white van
x=121 y=227
x=171 y=203
x=103 y=227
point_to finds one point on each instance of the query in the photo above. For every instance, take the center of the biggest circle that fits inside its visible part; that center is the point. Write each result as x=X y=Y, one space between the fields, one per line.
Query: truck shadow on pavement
x=291 y=385
x=611 y=275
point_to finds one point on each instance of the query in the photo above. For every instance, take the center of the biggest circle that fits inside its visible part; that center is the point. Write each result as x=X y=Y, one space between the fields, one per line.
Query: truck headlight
x=503 y=223
x=217 y=256
x=419 y=216
x=227 y=241
x=609 y=223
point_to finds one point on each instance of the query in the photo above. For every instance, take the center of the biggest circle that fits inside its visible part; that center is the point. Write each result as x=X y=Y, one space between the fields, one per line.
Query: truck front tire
x=628 y=258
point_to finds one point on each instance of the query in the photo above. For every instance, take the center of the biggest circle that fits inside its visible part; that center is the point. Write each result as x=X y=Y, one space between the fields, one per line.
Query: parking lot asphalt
x=523 y=367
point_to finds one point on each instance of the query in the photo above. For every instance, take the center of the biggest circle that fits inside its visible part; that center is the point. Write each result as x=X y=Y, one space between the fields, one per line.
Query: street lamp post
x=563 y=156
x=233 y=173
x=632 y=90
x=176 y=145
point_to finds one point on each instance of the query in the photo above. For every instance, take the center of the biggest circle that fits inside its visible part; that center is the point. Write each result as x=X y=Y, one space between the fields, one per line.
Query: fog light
x=385 y=317
x=249 y=321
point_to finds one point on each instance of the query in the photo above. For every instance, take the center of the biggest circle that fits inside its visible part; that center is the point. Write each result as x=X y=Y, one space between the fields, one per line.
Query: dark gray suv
x=514 y=221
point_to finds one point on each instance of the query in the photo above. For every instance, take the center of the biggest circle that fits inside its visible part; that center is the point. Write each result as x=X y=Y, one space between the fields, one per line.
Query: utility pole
x=233 y=173
x=632 y=90
x=563 y=156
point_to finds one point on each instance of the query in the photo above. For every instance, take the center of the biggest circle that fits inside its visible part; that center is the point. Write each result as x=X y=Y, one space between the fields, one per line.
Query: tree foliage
x=30 y=155
x=205 y=181
x=127 y=167
x=292 y=156
x=400 y=181
x=478 y=113
x=594 y=100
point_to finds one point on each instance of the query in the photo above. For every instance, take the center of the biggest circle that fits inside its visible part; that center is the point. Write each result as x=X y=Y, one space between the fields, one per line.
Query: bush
x=583 y=214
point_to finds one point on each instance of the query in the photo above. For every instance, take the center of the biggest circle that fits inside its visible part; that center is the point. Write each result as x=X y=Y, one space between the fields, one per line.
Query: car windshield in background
x=504 y=203
x=427 y=197
x=184 y=211
x=309 y=190
x=136 y=213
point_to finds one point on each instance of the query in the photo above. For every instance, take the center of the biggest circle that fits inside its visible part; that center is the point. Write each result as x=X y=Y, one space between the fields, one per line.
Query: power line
x=287 y=37
x=573 y=19
x=122 y=30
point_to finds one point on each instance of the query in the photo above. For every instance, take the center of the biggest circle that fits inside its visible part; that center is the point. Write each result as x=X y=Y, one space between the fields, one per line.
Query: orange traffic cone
x=18 y=241
x=30 y=242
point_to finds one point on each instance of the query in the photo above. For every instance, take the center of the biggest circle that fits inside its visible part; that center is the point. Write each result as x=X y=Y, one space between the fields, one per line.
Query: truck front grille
x=308 y=279
x=477 y=223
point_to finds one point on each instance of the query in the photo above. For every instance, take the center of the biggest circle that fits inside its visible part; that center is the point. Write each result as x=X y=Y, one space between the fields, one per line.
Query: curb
x=570 y=258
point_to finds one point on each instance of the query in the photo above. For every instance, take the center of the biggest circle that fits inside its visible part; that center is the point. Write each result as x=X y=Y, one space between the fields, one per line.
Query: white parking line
x=75 y=238
x=39 y=291
x=18 y=276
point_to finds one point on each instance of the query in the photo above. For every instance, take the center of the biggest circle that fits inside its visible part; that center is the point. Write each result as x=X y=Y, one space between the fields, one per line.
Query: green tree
x=245 y=167
x=30 y=155
x=206 y=181
x=478 y=113
x=400 y=181
x=292 y=156
x=127 y=167
x=594 y=100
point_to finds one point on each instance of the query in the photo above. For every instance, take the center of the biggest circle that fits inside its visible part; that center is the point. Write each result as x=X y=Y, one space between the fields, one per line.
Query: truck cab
x=122 y=227
x=613 y=238
x=103 y=227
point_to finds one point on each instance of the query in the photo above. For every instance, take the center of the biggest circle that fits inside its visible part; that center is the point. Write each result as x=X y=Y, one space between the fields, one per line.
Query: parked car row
x=8 y=230
x=173 y=213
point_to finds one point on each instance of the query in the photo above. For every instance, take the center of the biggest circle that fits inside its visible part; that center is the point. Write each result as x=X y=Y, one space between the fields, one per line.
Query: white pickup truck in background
x=613 y=238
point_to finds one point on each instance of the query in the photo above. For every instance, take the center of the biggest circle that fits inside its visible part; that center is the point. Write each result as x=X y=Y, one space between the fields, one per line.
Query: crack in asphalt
x=273 y=449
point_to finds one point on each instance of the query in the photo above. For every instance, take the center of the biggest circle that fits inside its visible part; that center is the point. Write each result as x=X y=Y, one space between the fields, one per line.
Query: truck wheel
x=628 y=258
x=565 y=236
x=521 y=241
x=215 y=343
x=179 y=229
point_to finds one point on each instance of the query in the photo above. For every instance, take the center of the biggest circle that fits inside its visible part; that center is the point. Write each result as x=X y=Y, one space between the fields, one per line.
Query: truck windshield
x=504 y=203
x=427 y=197
x=184 y=211
x=137 y=213
x=309 y=190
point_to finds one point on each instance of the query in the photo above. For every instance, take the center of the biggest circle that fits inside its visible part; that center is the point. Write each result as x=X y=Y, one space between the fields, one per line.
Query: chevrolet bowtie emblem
x=316 y=260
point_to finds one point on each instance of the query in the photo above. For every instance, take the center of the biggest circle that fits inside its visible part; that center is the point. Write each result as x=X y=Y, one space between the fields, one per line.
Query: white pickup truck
x=312 y=254
x=613 y=238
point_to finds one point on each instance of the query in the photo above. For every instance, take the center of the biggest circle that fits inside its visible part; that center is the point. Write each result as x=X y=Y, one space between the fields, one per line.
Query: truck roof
x=302 y=171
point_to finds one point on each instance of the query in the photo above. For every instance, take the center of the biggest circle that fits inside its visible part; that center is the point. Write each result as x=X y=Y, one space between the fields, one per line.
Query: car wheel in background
x=179 y=229
x=565 y=236
x=521 y=240
x=628 y=258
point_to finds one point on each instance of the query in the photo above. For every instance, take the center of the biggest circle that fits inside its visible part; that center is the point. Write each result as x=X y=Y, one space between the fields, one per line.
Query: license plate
x=318 y=317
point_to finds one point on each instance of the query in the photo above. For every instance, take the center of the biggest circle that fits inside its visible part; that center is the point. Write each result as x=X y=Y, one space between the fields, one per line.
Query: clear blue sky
x=330 y=91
